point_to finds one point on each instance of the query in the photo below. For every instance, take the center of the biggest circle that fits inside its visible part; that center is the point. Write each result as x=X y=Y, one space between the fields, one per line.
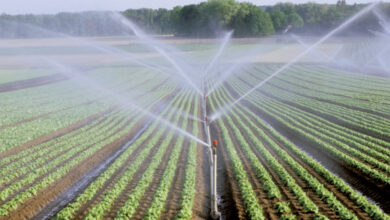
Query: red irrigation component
x=215 y=143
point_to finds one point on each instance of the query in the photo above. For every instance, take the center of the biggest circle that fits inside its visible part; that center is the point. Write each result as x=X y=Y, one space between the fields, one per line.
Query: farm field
x=312 y=143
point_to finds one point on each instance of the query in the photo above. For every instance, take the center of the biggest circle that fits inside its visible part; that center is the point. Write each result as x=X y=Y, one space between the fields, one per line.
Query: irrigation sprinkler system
x=212 y=149
x=227 y=108
x=178 y=68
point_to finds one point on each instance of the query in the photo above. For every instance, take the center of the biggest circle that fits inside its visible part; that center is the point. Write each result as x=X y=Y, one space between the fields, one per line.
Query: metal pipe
x=215 y=214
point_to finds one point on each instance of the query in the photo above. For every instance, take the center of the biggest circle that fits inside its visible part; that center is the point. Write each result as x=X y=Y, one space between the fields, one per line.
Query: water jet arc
x=227 y=108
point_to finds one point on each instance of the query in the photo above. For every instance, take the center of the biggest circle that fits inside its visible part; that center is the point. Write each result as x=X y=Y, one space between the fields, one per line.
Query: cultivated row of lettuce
x=92 y=189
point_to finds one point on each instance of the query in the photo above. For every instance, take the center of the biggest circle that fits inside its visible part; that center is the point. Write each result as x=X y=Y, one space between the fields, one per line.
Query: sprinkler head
x=206 y=119
x=215 y=143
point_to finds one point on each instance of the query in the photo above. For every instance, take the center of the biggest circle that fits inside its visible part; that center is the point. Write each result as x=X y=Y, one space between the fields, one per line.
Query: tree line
x=205 y=19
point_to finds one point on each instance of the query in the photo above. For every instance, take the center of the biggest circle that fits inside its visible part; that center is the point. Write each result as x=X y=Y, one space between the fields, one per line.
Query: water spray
x=219 y=53
x=72 y=74
x=228 y=107
x=151 y=43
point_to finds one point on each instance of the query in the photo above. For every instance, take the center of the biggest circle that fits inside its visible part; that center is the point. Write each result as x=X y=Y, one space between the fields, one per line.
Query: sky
x=55 y=6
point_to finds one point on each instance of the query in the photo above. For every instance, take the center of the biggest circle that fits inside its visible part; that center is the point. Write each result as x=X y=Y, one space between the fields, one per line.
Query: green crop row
x=367 y=119
x=40 y=167
x=360 y=200
x=45 y=147
x=161 y=193
x=92 y=189
x=252 y=207
x=308 y=87
x=133 y=199
x=348 y=159
x=57 y=174
x=74 y=143
x=188 y=190
x=352 y=151
x=371 y=142
x=286 y=178
x=11 y=136
x=363 y=145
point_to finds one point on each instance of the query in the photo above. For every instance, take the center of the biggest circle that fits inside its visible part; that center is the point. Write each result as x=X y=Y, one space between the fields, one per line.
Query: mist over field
x=213 y=110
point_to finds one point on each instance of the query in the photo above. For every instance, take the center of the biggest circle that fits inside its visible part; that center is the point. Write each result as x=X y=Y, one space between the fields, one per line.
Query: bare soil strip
x=172 y=203
x=287 y=195
x=147 y=198
x=90 y=121
x=201 y=208
x=76 y=188
x=34 y=205
x=342 y=198
x=59 y=165
x=330 y=101
x=329 y=118
x=230 y=202
x=370 y=188
x=81 y=214
x=322 y=206
x=33 y=82
x=264 y=202
x=56 y=134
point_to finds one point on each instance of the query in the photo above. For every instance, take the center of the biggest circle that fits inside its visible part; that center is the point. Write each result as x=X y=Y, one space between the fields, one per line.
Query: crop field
x=312 y=143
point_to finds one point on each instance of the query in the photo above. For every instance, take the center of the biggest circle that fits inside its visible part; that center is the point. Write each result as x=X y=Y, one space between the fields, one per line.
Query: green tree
x=189 y=20
x=221 y=12
x=251 y=20
x=279 y=19
x=294 y=20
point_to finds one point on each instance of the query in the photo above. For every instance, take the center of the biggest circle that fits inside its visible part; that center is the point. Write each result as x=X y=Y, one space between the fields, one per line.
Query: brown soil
x=329 y=101
x=81 y=214
x=323 y=207
x=231 y=204
x=351 y=175
x=55 y=134
x=330 y=118
x=172 y=203
x=60 y=164
x=31 y=206
x=147 y=198
x=33 y=82
x=344 y=199
x=387 y=116
x=119 y=202
x=340 y=196
x=287 y=195
x=264 y=202
x=201 y=208
x=87 y=103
